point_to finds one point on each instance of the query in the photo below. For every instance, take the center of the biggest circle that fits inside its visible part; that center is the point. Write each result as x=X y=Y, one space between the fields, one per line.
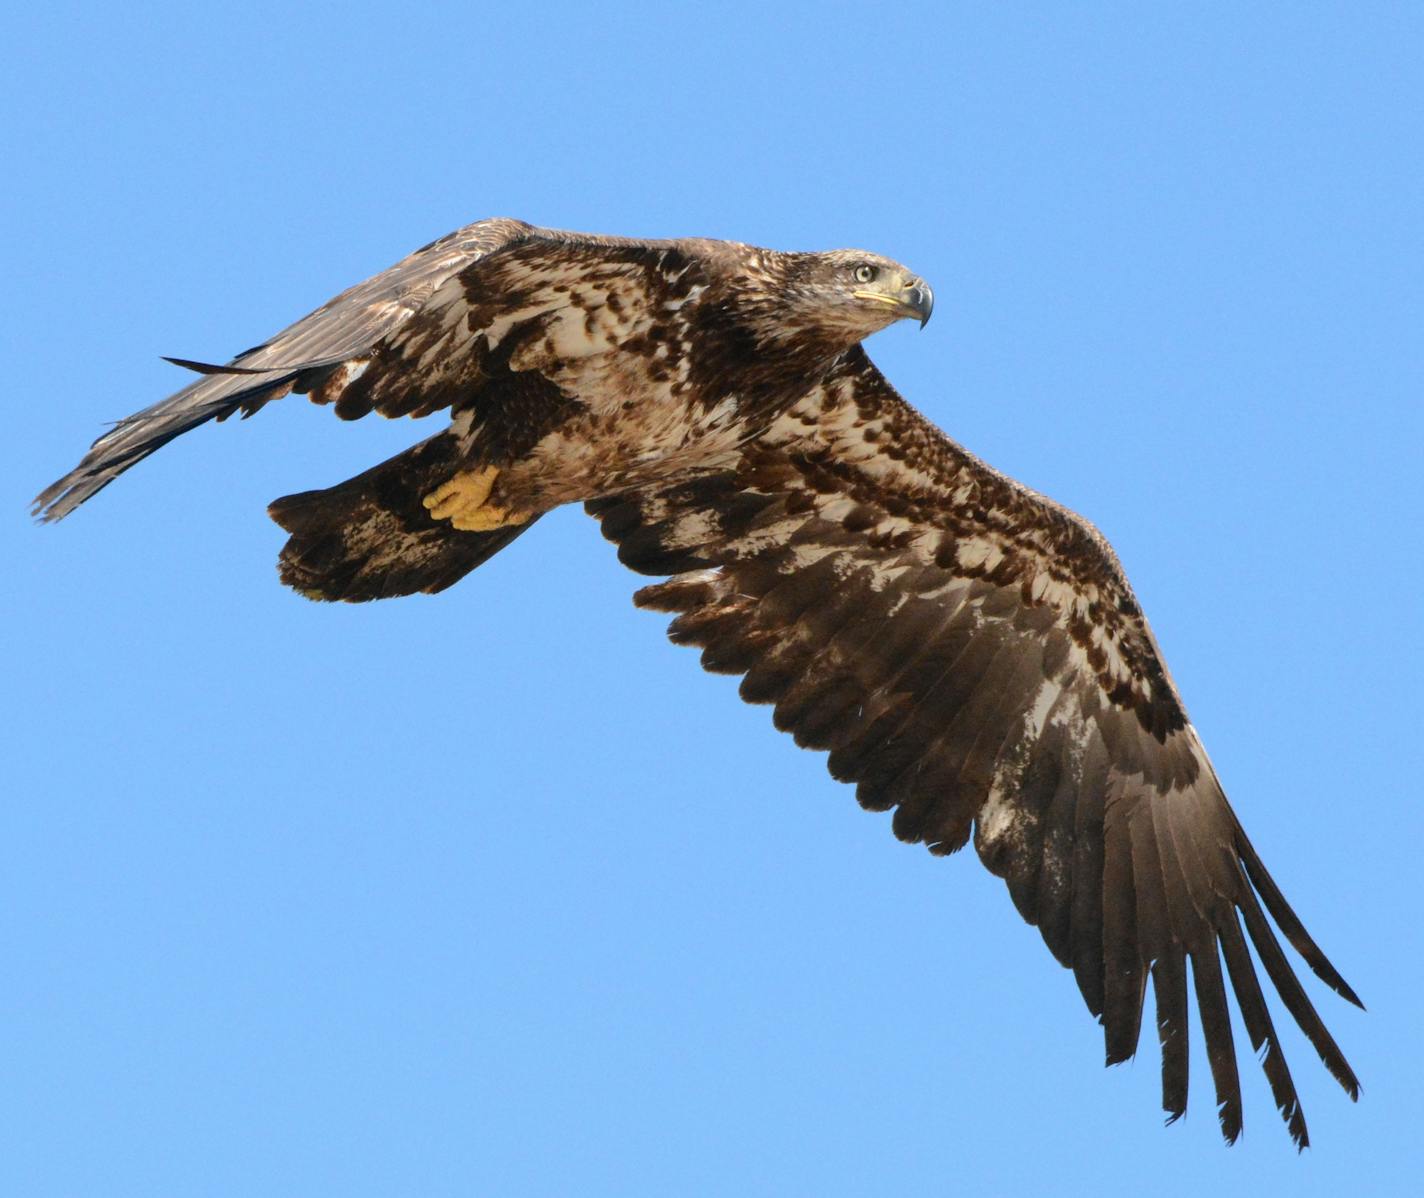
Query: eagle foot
x=463 y=500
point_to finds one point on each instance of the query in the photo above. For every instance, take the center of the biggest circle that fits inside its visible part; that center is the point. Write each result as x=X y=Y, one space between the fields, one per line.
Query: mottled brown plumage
x=968 y=652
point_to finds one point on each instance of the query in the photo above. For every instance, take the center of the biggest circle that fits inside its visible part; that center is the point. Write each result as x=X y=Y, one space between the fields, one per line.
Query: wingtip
x=1114 y=1057
x=1289 y=922
x=1294 y=1116
x=1344 y=991
x=48 y=507
x=1229 y=1119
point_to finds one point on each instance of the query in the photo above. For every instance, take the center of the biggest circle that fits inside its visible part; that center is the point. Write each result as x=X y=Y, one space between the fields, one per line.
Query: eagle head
x=845 y=295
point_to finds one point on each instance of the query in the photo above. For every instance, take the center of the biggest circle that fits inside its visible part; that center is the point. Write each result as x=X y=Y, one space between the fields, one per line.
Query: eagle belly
x=633 y=414
x=647 y=439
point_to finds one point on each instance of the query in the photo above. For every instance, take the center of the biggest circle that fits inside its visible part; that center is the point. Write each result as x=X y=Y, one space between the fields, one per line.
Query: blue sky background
x=495 y=892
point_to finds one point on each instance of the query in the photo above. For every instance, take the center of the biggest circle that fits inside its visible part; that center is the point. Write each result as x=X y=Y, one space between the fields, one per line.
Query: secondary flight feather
x=968 y=652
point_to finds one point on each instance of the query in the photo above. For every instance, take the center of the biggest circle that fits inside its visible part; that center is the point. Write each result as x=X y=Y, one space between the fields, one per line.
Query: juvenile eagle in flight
x=969 y=652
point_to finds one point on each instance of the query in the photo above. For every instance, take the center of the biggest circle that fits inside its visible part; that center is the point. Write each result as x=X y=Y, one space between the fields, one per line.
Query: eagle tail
x=371 y=537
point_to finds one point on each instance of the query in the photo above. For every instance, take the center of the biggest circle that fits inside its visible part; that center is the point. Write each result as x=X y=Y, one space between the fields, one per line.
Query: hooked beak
x=913 y=299
x=919 y=299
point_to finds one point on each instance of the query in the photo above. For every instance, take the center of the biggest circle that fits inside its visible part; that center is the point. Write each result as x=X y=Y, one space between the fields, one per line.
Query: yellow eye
x=865 y=273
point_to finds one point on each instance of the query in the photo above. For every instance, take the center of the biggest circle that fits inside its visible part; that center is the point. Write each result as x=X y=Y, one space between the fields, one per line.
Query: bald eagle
x=968 y=652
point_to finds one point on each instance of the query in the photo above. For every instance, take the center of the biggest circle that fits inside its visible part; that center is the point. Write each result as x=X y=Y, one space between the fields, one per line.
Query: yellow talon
x=486 y=518
x=462 y=494
x=461 y=500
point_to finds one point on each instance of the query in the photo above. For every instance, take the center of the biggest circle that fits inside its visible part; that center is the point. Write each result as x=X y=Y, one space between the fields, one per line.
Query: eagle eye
x=865 y=273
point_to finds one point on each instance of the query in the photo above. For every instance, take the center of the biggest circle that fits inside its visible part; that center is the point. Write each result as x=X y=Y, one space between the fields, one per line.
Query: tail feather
x=371 y=537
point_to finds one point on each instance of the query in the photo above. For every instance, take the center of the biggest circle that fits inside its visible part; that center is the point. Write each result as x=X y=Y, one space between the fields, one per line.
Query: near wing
x=972 y=656
x=403 y=343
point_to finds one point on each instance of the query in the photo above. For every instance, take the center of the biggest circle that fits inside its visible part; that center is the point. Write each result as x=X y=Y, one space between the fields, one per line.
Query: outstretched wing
x=420 y=337
x=972 y=656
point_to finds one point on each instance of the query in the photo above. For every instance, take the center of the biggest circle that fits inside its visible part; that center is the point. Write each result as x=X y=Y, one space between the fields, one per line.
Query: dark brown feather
x=1261 y=1029
x=969 y=653
x=372 y=538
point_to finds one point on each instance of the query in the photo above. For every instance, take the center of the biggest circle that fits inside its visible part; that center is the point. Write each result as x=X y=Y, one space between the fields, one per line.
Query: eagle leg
x=464 y=500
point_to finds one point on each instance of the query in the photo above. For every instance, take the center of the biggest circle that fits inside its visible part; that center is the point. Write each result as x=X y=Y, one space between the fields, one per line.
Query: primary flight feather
x=969 y=652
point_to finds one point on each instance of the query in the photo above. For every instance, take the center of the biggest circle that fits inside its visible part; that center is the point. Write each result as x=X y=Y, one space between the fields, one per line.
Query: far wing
x=972 y=657
x=412 y=340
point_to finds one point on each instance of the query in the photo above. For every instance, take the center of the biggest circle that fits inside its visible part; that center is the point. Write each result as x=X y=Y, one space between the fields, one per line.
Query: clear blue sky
x=495 y=892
